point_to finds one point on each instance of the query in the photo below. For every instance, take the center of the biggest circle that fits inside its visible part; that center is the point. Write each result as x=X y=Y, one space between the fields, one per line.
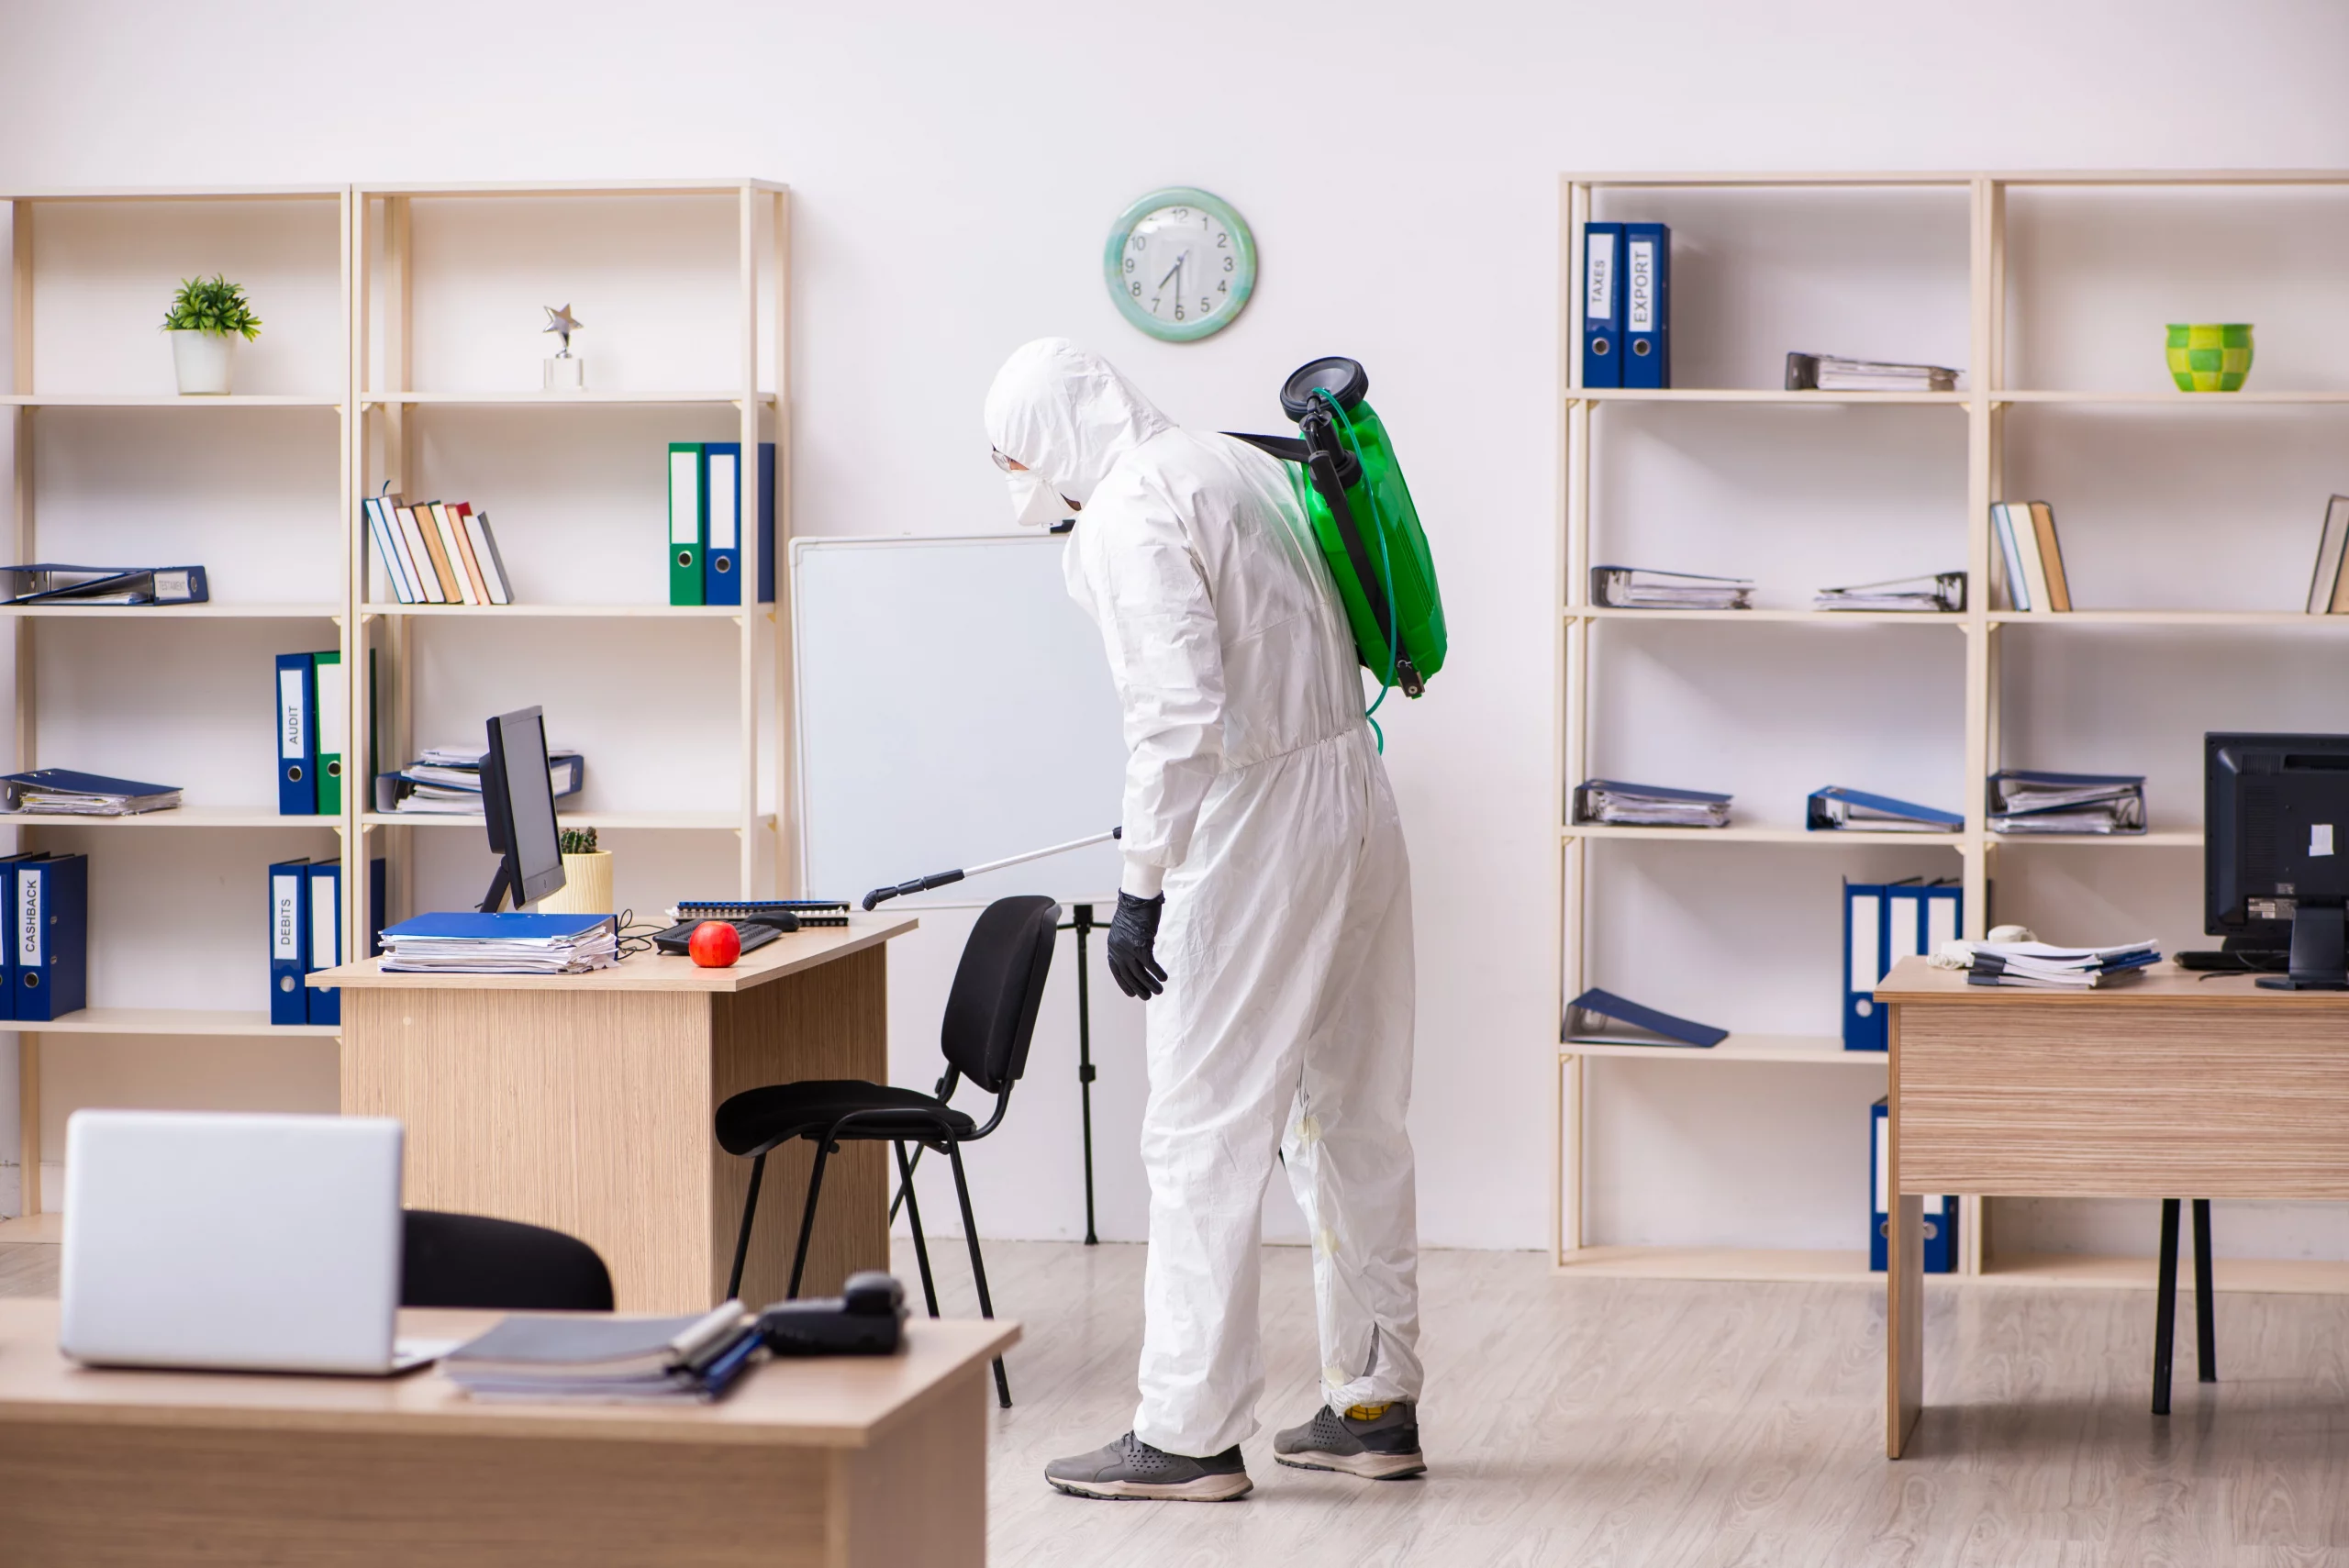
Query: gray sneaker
x=1131 y=1468
x=1384 y=1446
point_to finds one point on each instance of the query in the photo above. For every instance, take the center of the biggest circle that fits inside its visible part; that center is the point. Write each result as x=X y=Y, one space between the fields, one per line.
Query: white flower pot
x=202 y=360
x=586 y=888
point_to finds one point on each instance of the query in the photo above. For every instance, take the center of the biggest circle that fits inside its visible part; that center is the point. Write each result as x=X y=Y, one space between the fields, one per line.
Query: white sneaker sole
x=1369 y=1466
x=1205 y=1489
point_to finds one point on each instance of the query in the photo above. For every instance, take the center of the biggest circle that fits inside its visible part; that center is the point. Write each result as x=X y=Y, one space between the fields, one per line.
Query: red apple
x=715 y=944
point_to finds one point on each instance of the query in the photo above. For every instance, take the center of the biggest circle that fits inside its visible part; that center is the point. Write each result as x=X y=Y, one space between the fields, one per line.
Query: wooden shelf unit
x=1983 y=405
x=372 y=403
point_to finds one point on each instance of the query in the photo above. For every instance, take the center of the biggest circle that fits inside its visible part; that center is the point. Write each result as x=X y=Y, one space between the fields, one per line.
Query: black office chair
x=990 y=1016
x=469 y=1259
x=2206 y=1335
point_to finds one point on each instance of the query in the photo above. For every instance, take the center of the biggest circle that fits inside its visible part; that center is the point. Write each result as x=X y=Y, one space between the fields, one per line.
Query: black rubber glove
x=1131 y=935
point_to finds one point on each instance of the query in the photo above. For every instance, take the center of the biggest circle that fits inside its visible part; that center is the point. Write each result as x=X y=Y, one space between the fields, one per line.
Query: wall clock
x=1180 y=263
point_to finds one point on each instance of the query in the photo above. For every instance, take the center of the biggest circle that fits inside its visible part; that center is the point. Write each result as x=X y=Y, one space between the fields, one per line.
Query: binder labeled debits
x=52 y=937
x=1647 y=304
x=297 y=735
x=323 y=1004
x=1602 y=305
x=688 y=521
x=289 y=941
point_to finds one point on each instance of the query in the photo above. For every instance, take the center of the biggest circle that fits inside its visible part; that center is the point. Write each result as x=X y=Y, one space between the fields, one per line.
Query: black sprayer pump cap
x=1343 y=378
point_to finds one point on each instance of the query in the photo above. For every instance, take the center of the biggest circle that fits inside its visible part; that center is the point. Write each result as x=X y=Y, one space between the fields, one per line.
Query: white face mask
x=1035 y=504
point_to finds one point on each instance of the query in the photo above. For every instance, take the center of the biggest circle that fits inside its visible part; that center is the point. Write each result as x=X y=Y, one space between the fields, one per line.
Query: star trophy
x=563 y=374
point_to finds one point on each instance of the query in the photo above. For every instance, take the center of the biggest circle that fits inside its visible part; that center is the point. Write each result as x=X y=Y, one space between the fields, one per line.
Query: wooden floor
x=1653 y=1424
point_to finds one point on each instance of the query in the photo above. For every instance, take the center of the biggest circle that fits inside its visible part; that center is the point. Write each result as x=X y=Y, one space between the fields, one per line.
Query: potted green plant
x=587 y=876
x=206 y=318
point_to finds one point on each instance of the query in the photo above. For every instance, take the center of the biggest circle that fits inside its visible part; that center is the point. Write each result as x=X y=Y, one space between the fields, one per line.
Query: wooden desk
x=847 y=1461
x=585 y=1102
x=2165 y=1086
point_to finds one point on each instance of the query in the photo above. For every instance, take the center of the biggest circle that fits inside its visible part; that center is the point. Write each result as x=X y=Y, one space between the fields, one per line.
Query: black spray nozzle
x=918 y=884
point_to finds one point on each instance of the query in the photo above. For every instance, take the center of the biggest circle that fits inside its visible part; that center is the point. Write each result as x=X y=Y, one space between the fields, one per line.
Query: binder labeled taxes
x=52 y=937
x=297 y=735
x=289 y=941
x=688 y=521
x=1940 y=1228
x=1602 y=305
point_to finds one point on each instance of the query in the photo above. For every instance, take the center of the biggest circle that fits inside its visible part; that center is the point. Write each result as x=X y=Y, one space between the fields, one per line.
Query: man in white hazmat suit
x=1257 y=816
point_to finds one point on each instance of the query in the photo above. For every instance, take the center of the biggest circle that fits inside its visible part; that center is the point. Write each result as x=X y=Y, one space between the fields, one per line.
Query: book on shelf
x=1940 y=593
x=2329 y=587
x=446 y=782
x=1836 y=807
x=1639 y=588
x=61 y=792
x=1610 y=803
x=438 y=553
x=49 y=583
x=2024 y=801
x=2025 y=532
x=1831 y=372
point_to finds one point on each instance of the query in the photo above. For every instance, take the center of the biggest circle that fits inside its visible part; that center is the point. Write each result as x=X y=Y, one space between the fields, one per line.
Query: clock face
x=1181 y=264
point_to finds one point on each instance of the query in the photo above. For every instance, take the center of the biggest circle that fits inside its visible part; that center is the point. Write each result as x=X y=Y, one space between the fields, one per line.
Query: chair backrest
x=470 y=1259
x=991 y=1012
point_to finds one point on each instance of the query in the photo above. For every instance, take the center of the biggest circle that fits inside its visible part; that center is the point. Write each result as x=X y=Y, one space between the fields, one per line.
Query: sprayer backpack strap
x=1326 y=463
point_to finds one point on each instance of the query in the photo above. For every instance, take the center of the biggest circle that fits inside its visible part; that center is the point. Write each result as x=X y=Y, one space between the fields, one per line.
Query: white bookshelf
x=2003 y=299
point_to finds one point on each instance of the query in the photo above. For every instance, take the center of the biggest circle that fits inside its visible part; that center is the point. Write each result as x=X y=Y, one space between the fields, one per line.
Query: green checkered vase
x=2209 y=358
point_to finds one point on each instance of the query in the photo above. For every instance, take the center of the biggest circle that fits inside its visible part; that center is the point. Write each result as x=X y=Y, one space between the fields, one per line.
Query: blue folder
x=1941 y=1212
x=323 y=908
x=1820 y=821
x=1883 y=923
x=378 y=897
x=9 y=969
x=721 y=555
x=1602 y=305
x=471 y=924
x=1647 y=304
x=289 y=941
x=1671 y=1031
x=297 y=735
x=52 y=937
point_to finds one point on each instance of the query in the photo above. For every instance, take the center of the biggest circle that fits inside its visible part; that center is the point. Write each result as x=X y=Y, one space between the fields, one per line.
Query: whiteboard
x=954 y=707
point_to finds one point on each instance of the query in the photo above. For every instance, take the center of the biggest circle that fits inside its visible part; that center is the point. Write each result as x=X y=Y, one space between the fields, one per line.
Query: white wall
x=953 y=171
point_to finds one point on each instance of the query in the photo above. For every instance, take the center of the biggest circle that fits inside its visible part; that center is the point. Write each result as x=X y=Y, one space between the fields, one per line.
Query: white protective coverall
x=1254 y=787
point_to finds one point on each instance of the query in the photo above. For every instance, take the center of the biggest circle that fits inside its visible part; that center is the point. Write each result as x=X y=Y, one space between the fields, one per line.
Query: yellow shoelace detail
x=1366 y=1412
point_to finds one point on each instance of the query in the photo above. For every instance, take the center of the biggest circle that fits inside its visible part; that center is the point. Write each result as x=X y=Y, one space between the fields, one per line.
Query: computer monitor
x=518 y=800
x=2276 y=851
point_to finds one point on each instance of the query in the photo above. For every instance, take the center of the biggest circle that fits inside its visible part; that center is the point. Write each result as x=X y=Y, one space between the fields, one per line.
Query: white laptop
x=234 y=1241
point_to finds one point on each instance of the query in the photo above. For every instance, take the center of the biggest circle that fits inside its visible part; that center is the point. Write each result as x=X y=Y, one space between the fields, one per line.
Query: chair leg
x=807 y=1219
x=743 y=1242
x=978 y=1265
x=2165 y=1306
x=913 y=1217
x=2206 y=1329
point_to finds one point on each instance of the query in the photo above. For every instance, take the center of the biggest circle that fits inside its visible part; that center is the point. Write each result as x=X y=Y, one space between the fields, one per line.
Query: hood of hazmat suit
x=1254 y=794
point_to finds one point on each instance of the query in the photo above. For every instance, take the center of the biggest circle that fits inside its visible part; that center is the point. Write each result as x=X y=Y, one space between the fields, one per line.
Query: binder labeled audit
x=289 y=941
x=1940 y=1228
x=1647 y=304
x=297 y=735
x=1883 y=923
x=688 y=521
x=52 y=937
x=323 y=1005
x=1602 y=305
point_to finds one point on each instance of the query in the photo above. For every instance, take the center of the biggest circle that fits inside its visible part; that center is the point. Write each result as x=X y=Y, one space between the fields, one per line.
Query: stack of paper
x=1943 y=591
x=606 y=1361
x=45 y=582
x=2066 y=803
x=1635 y=587
x=61 y=792
x=2037 y=966
x=1828 y=372
x=1648 y=805
x=467 y=943
x=446 y=782
x=1836 y=807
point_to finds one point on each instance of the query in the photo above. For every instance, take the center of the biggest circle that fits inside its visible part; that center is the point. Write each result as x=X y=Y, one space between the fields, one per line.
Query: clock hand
x=1172 y=270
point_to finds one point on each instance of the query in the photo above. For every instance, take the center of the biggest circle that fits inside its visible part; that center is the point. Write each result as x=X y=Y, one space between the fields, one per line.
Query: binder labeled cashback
x=9 y=979
x=289 y=941
x=1602 y=305
x=1647 y=304
x=1883 y=923
x=297 y=735
x=1940 y=1228
x=52 y=937
x=688 y=521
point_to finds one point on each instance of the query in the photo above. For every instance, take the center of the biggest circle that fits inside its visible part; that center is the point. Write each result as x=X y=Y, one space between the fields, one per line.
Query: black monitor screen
x=518 y=801
x=2275 y=830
